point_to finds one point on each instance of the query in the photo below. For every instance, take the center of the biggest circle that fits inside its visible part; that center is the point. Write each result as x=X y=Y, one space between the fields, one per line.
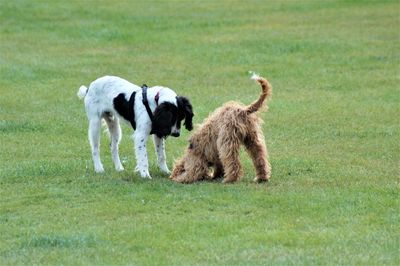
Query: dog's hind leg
x=115 y=137
x=160 y=150
x=94 y=139
x=229 y=156
x=257 y=150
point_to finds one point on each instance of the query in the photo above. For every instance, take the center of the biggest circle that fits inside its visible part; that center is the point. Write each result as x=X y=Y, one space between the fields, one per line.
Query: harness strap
x=146 y=102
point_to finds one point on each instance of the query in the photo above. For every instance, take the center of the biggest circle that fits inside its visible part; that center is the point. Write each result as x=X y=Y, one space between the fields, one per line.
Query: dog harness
x=146 y=102
x=127 y=108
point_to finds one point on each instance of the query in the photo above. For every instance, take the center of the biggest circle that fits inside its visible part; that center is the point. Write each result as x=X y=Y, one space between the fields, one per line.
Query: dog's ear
x=162 y=122
x=185 y=106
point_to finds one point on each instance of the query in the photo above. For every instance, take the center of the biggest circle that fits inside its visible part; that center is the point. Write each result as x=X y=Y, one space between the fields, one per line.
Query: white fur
x=82 y=92
x=254 y=76
x=99 y=101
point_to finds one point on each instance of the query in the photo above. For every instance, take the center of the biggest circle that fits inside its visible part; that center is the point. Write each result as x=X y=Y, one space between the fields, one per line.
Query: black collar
x=146 y=102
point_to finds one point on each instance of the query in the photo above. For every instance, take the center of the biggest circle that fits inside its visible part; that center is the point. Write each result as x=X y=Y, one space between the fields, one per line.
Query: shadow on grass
x=59 y=241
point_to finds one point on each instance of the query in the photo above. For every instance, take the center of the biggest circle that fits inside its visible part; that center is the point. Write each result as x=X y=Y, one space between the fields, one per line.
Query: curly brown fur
x=216 y=143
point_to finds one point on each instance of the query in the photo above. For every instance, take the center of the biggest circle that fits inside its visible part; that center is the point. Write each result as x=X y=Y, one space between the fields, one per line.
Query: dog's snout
x=175 y=134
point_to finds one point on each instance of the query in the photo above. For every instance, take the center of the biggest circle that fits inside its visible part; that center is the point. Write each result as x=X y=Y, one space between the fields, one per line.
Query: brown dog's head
x=190 y=168
x=178 y=171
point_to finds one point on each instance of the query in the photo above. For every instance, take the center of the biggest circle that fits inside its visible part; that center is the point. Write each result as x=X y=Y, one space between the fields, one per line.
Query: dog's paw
x=144 y=173
x=228 y=180
x=99 y=169
x=119 y=168
x=260 y=180
x=165 y=169
x=180 y=179
x=177 y=179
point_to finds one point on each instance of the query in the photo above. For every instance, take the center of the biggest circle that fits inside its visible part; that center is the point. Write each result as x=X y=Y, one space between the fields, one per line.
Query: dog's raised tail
x=82 y=92
x=266 y=92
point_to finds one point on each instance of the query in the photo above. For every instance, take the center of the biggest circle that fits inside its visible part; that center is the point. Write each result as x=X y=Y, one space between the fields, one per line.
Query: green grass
x=332 y=133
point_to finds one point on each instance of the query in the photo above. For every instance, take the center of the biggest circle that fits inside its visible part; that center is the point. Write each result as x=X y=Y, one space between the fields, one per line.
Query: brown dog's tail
x=266 y=92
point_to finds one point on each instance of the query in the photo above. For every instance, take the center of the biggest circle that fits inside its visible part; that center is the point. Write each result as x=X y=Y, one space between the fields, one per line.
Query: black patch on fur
x=126 y=108
x=165 y=116
x=185 y=111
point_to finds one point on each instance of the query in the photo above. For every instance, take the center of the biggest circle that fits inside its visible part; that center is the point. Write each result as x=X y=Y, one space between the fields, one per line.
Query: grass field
x=332 y=132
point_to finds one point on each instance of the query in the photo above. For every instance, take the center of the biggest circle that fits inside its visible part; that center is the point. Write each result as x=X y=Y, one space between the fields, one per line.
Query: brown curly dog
x=216 y=143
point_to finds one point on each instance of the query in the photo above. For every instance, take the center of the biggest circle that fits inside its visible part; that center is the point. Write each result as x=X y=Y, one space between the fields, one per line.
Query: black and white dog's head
x=168 y=118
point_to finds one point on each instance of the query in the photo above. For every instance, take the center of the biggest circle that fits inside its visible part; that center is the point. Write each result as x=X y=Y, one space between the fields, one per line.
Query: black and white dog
x=156 y=110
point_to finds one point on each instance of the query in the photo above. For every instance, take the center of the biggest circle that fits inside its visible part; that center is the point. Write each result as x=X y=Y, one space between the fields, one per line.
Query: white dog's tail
x=82 y=92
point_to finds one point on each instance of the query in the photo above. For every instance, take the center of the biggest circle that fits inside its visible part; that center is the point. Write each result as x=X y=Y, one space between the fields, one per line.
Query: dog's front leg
x=142 y=163
x=160 y=150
